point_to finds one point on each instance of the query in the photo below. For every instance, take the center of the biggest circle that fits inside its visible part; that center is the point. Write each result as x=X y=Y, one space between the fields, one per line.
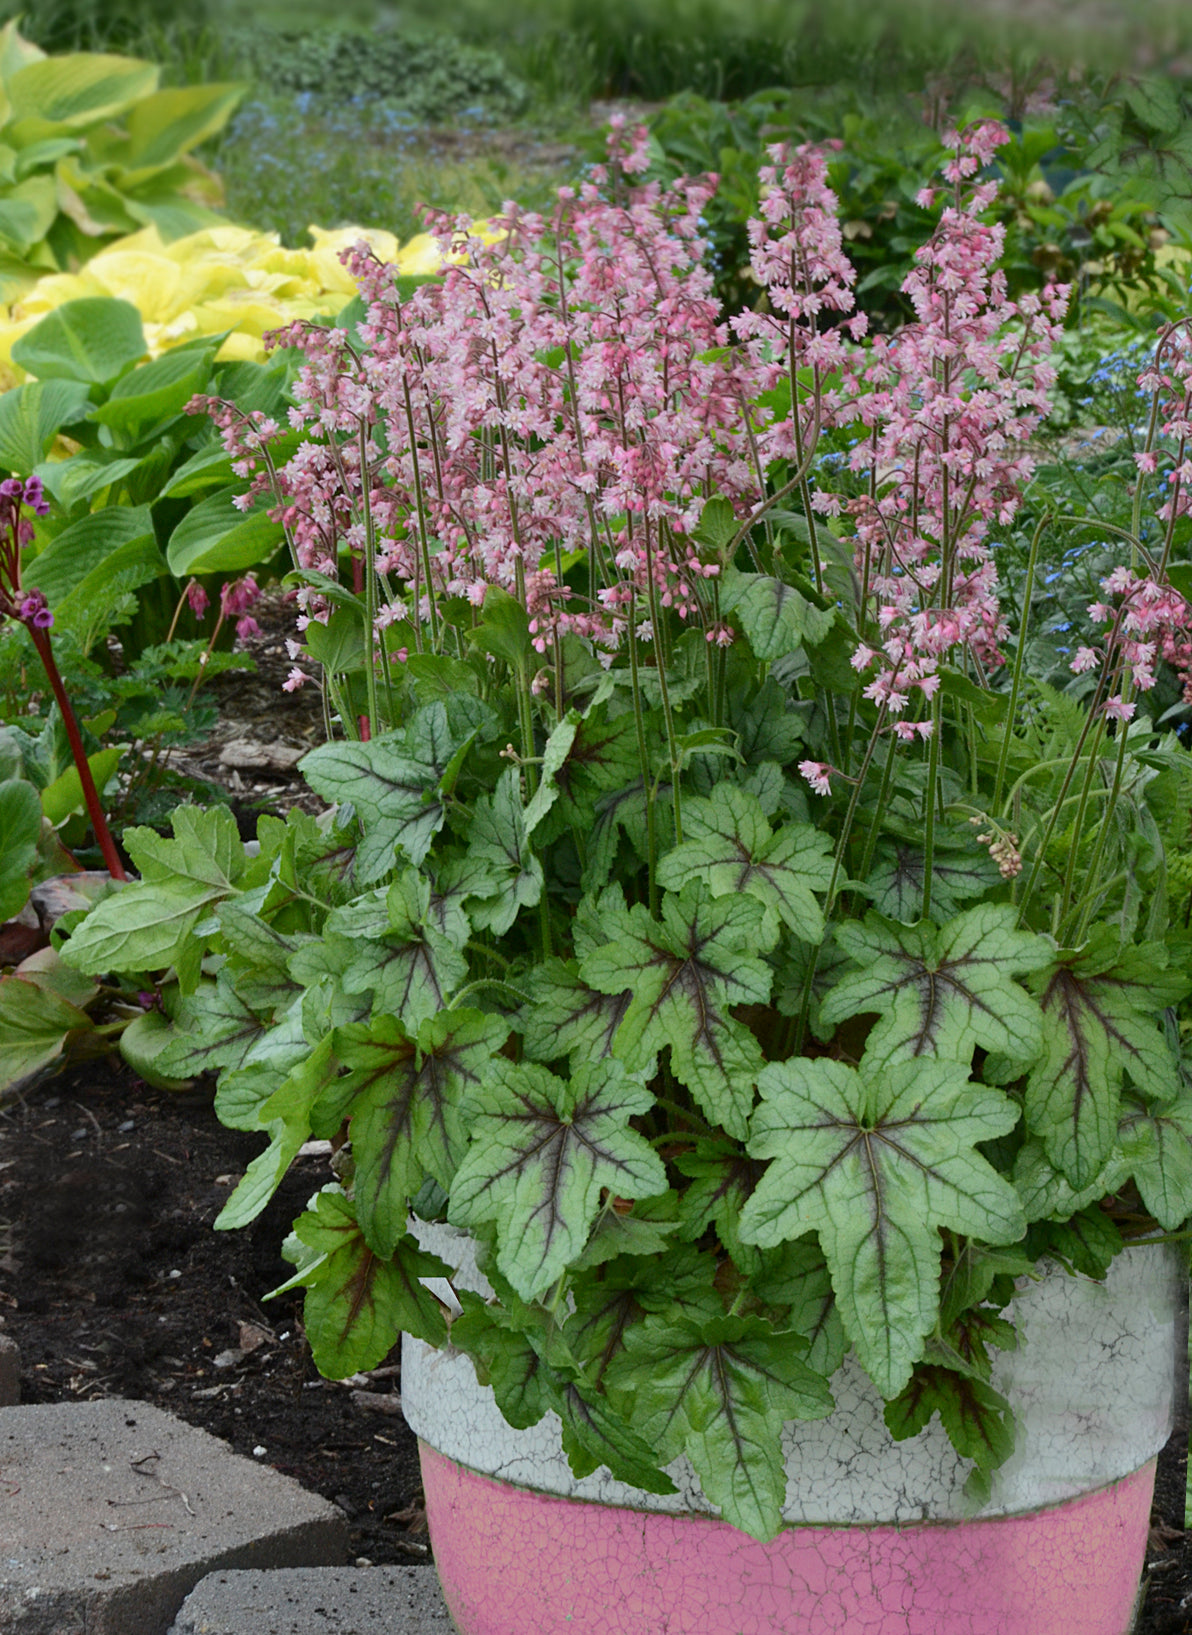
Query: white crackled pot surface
x=1093 y=1389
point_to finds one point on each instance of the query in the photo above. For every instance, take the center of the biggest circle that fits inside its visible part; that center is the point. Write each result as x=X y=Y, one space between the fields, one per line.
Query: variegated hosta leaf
x=876 y=1161
x=404 y=1096
x=542 y=1148
x=728 y=844
x=358 y=1302
x=895 y=884
x=1099 y=1010
x=941 y=991
x=720 y=1391
x=497 y=843
x=1156 y=1143
x=685 y=974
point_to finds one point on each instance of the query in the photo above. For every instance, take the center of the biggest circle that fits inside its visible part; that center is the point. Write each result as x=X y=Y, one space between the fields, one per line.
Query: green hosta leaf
x=65 y=794
x=406 y=1097
x=86 y=546
x=214 y=1028
x=35 y=1026
x=30 y=417
x=167 y=124
x=896 y=883
x=728 y=844
x=155 y=392
x=1156 y=1142
x=565 y=1017
x=979 y=1421
x=776 y=617
x=27 y=212
x=684 y=975
x=941 y=991
x=876 y=1161
x=498 y=844
x=1099 y=1024
x=358 y=1302
x=542 y=1148
x=93 y=340
x=215 y=536
x=795 y=1278
x=719 y=1391
x=80 y=88
x=145 y=927
x=20 y=831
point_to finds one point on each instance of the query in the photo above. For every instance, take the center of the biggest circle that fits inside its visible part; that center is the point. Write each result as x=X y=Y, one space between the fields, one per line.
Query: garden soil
x=114 y=1283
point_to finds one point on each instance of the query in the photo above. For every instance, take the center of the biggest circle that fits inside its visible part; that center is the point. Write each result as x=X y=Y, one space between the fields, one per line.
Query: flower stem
x=99 y=822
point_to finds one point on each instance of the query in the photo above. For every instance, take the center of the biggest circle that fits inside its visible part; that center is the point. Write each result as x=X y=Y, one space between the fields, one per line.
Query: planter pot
x=880 y=1539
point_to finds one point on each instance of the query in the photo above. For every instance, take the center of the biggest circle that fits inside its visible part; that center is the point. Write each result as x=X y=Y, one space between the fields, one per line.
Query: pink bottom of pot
x=516 y=1562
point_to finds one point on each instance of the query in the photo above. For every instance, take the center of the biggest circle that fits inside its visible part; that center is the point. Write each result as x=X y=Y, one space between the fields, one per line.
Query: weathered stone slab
x=317 y=1601
x=112 y=1511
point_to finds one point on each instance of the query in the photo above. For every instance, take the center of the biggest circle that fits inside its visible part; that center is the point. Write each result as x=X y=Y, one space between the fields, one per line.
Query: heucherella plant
x=706 y=917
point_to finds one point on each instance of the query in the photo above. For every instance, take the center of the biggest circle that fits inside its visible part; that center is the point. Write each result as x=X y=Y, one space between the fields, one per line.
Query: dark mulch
x=113 y=1284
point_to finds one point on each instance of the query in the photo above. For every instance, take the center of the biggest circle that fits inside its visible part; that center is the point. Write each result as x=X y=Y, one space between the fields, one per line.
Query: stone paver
x=317 y=1601
x=112 y=1511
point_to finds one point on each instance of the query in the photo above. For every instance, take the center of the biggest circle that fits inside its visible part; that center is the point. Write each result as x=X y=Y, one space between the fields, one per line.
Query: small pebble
x=259 y=1452
x=78 y=1135
x=363 y=1561
x=129 y=1124
x=175 y=1274
x=52 y=1101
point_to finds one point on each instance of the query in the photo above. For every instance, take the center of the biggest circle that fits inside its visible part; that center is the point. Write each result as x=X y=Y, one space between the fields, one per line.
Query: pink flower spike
x=1117 y=709
x=817 y=774
x=1087 y=658
x=296 y=678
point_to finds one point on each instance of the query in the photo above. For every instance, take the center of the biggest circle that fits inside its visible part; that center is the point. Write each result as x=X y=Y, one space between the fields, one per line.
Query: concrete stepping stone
x=317 y=1601
x=112 y=1511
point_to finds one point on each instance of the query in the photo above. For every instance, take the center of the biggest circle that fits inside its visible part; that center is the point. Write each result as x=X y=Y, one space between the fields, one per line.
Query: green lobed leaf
x=685 y=974
x=876 y=1161
x=795 y=1278
x=358 y=1302
x=1156 y=1143
x=498 y=845
x=776 y=617
x=728 y=844
x=719 y=1391
x=722 y=1179
x=541 y=1150
x=565 y=1017
x=286 y=1116
x=406 y=1107
x=979 y=1421
x=213 y=1028
x=940 y=992
x=895 y=884
x=1099 y=1009
x=558 y=747
x=413 y=969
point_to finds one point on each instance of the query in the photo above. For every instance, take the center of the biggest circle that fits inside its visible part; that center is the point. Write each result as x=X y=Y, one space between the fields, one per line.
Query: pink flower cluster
x=953 y=398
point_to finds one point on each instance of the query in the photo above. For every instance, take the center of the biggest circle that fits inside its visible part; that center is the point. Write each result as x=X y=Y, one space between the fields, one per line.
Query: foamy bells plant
x=707 y=919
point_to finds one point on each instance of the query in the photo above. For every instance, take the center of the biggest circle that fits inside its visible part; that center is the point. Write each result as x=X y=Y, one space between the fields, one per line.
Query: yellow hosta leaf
x=240 y=348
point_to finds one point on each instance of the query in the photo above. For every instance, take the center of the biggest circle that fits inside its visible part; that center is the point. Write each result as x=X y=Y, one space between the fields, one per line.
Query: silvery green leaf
x=876 y=1161
x=940 y=992
x=542 y=1148
x=497 y=843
